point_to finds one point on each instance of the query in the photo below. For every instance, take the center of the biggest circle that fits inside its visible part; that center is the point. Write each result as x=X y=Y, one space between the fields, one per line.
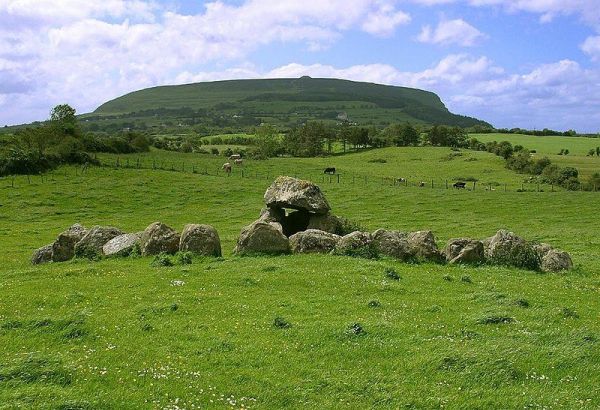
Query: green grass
x=124 y=334
x=379 y=167
x=550 y=146
x=285 y=100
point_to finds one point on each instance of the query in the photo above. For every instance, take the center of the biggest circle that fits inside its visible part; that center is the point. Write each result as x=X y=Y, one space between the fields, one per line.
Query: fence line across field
x=342 y=179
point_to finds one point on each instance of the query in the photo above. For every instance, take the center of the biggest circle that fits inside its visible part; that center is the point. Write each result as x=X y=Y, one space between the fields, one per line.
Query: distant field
x=123 y=334
x=578 y=146
x=416 y=164
x=550 y=146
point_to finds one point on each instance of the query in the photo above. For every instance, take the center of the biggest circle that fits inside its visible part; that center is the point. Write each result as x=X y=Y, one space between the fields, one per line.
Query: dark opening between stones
x=295 y=221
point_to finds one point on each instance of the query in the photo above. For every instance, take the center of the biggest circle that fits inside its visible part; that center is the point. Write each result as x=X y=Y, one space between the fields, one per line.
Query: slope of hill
x=285 y=101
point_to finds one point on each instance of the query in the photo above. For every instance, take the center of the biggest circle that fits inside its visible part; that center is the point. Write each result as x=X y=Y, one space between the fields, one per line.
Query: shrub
x=391 y=273
x=355 y=329
x=214 y=151
x=281 y=323
x=495 y=320
x=374 y=304
x=466 y=279
x=524 y=303
x=347 y=226
x=378 y=161
x=162 y=259
x=183 y=258
x=524 y=257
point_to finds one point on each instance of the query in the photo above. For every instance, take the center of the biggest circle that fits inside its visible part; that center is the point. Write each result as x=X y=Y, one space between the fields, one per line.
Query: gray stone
x=157 y=238
x=272 y=215
x=464 y=250
x=542 y=249
x=201 y=240
x=121 y=245
x=292 y=193
x=506 y=248
x=262 y=238
x=93 y=241
x=556 y=261
x=63 y=248
x=328 y=223
x=313 y=241
x=42 y=255
x=356 y=244
x=422 y=246
x=393 y=244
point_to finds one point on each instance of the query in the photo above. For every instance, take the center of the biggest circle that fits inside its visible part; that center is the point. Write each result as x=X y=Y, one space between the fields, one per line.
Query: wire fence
x=242 y=172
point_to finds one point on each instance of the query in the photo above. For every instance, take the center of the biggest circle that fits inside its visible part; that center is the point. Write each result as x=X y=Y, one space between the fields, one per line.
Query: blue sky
x=514 y=63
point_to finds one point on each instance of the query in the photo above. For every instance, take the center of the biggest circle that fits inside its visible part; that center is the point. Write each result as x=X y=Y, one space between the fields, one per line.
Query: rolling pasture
x=550 y=146
x=125 y=334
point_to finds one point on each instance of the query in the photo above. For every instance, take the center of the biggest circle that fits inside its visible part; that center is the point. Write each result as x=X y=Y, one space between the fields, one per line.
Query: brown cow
x=227 y=167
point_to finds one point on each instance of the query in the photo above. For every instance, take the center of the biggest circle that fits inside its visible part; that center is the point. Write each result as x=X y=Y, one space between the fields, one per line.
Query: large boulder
x=262 y=238
x=292 y=193
x=91 y=244
x=42 y=255
x=63 y=249
x=393 y=244
x=328 y=223
x=272 y=215
x=506 y=248
x=201 y=240
x=158 y=238
x=423 y=247
x=121 y=245
x=464 y=250
x=556 y=261
x=313 y=241
x=357 y=244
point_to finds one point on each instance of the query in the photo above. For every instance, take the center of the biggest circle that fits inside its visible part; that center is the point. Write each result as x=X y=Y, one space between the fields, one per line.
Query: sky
x=514 y=63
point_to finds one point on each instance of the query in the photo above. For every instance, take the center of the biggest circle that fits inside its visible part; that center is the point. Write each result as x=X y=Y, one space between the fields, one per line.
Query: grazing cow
x=234 y=157
x=460 y=185
x=238 y=161
x=421 y=184
x=400 y=180
x=330 y=171
x=227 y=167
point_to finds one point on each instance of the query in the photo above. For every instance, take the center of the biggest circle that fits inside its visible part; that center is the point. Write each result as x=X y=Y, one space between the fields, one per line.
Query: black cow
x=460 y=185
x=330 y=171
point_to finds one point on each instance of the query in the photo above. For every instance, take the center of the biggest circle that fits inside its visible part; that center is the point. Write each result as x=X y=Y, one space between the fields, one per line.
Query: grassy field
x=380 y=166
x=124 y=334
x=550 y=146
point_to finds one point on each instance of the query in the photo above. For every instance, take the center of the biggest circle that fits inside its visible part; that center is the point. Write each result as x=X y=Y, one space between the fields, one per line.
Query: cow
x=421 y=184
x=330 y=171
x=234 y=157
x=238 y=161
x=460 y=185
x=400 y=180
x=227 y=167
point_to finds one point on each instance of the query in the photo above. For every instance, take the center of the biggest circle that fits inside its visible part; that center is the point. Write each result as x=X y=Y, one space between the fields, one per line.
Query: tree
x=63 y=120
x=267 y=140
x=307 y=140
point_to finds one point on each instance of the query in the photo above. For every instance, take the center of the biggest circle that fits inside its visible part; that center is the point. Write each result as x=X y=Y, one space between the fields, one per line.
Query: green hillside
x=283 y=101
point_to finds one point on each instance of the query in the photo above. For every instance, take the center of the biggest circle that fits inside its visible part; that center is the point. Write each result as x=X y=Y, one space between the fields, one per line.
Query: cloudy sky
x=514 y=63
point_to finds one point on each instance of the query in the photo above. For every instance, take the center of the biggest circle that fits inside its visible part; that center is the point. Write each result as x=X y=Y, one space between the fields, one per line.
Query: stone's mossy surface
x=121 y=245
x=42 y=255
x=506 y=248
x=93 y=241
x=354 y=243
x=292 y=193
x=464 y=250
x=158 y=238
x=556 y=261
x=262 y=238
x=422 y=246
x=63 y=249
x=328 y=223
x=393 y=244
x=200 y=240
x=313 y=241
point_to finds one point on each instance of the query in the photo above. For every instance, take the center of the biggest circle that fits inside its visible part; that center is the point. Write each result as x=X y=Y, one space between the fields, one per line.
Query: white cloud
x=451 y=32
x=591 y=46
x=559 y=95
